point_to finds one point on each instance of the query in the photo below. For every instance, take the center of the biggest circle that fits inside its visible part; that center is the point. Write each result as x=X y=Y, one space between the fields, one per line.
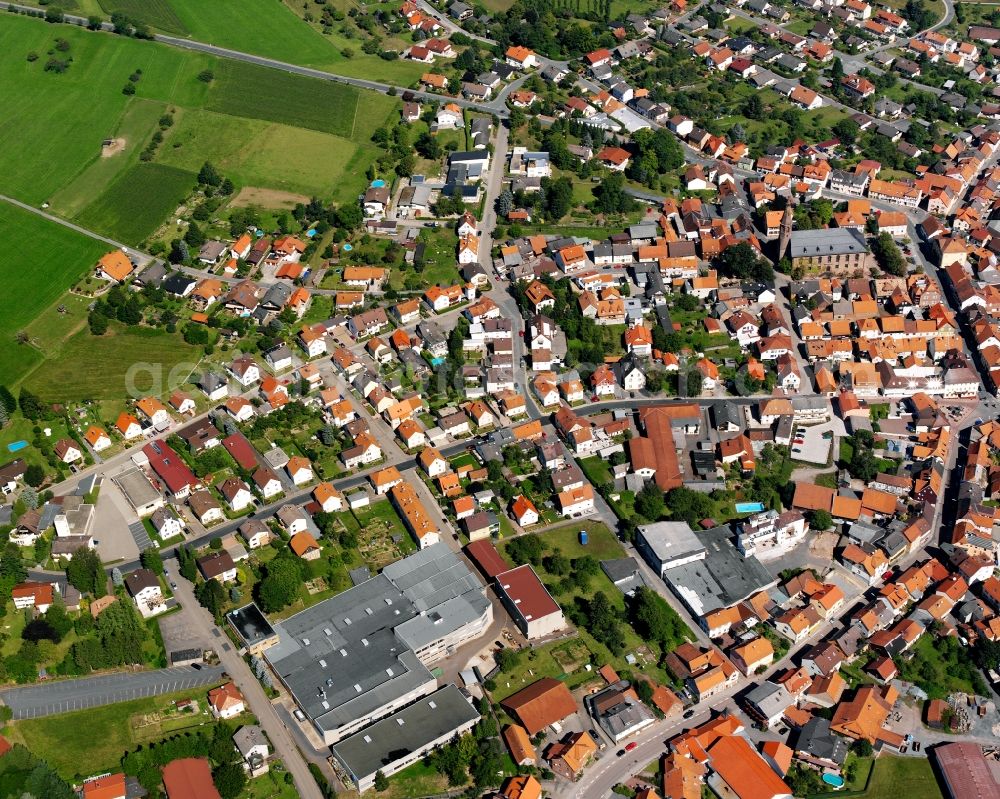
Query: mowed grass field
x=137 y=203
x=255 y=152
x=911 y=777
x=123 y=362
x=135 y=127
x=53 y=125
x=34 y=277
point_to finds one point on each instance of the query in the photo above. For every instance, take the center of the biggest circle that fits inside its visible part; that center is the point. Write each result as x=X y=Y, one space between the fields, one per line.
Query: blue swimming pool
x=749 y=507
x=378 y=184
x=16 y=445
x=311 y=233
x=834 y=780
x=348 y=248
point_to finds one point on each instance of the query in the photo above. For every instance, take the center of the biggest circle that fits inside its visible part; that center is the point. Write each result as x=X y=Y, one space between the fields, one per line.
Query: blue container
x=583 y=537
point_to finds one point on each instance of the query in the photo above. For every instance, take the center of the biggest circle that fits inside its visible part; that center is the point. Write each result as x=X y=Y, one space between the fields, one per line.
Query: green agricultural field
x=247 y=90
x=34 y=278
x=155 y=13
x=53 y=125
x=263 y=27
x=254 y=152
x=269 y=131
x=136 y=204
x=99 y=368
x=135 y=127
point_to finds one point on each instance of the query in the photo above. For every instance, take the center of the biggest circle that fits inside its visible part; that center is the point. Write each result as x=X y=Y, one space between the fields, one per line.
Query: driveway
x=64 y=696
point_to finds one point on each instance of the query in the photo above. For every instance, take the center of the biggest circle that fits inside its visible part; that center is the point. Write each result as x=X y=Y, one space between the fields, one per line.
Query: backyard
x=566 y=659
x=110 y=731
x=895 y=777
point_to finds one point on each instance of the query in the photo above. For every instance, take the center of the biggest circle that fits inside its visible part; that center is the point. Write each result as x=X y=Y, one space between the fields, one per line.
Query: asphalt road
x=64 y=696
x=240 y=674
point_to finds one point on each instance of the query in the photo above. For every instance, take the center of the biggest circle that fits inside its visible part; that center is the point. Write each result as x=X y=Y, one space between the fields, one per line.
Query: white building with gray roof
x=399 y=741
x=363 y=654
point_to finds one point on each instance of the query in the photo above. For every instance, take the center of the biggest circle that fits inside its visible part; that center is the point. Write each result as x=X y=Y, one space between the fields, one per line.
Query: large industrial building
x=400 y=740
x=666 y=545
x=364 y=654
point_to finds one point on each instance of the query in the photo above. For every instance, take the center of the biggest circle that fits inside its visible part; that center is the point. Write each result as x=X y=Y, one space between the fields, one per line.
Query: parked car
x=689 y=713
x=632 y=745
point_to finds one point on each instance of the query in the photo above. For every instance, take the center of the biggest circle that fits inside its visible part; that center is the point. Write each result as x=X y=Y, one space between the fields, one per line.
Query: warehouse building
x=364 y=654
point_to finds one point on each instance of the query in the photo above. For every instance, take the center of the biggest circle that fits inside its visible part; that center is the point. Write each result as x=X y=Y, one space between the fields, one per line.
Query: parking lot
x=64 y=696
x=812 y=444
x=178 y=633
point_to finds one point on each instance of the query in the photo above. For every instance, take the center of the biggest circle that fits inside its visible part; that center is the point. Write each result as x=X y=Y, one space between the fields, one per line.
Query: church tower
x=785 y=236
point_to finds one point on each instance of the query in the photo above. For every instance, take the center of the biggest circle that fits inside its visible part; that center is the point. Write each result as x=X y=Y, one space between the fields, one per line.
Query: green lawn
x=34 y=278
x=596 y=469
x=440 y=263
x=417 y=780
x=139 y=201
x=270 y=786
x=20 y=429
x=894 y=777
x=110 y=732
x=124 y=362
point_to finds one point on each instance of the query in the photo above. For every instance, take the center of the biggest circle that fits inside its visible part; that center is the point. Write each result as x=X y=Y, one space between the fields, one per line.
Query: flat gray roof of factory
x=407 y=730
x=353 y=653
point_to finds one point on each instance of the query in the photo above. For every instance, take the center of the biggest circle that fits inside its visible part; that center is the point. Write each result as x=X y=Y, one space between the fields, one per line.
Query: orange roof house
x=110 y=786
x=863 y=716
x=747 y=774
x=189 y=778
x=115 y=266
x=569 y=756
x=521 y=748
x=225 y=698
x=96 y=437
x=125 y=424
x=523 y=786
x=304 y=545
x=540 y=704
